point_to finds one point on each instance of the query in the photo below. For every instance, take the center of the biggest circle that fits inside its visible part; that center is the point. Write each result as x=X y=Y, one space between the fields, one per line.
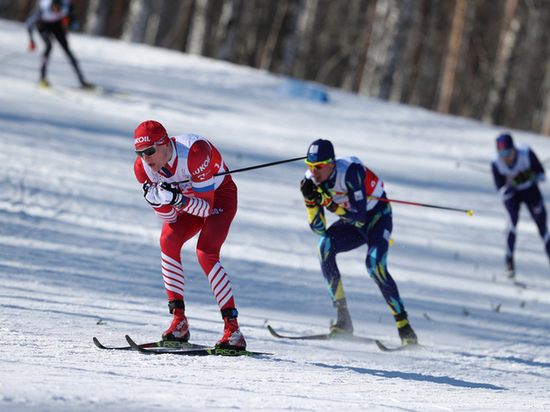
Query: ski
x=384 y=348
x=193 y=352
x=101 y=90
x=74 y=93
x=167 y=344
x=324 y=336
x=519 y=285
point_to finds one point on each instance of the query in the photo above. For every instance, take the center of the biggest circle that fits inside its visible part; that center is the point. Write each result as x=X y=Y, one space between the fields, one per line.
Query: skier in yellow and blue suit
x=346 y=187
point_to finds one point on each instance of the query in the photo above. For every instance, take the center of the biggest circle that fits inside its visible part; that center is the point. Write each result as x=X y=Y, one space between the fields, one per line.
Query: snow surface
x=79 y=254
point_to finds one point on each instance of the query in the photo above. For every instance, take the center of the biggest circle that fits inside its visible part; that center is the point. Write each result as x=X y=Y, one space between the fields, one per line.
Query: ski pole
x=474 y=167
x=470 y=212
x=244 y=169
x=249 y=168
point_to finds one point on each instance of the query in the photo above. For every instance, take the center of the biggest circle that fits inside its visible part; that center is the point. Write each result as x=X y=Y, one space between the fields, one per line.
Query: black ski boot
x=343 y=325
x=509 y=269
x=406 y=333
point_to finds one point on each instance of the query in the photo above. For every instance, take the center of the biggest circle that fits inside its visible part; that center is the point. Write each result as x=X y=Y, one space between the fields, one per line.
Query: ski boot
x=343 y=325
x=179 y=329
x=44 y=83
x=87 y=86
x=509 y=269
x=406 y=333
x=232 y=335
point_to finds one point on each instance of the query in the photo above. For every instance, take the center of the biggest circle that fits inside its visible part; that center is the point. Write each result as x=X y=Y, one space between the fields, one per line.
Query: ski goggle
x=505 y=153
x=148 y=151
x=318 y=165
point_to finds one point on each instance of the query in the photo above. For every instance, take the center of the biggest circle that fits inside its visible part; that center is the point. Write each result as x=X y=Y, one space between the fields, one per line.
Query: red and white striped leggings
x=213 y=232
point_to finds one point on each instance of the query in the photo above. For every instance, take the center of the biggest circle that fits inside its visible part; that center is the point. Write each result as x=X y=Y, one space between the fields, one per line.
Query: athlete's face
x=508 y=156
x=320 y=174
x=56 y=6
x=158 y=159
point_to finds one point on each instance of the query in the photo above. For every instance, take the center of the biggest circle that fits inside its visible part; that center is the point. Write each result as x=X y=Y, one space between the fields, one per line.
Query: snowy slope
x=79 y=253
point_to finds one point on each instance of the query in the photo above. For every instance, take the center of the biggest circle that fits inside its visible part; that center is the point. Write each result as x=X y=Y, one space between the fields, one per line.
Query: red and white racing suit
x=211 y=204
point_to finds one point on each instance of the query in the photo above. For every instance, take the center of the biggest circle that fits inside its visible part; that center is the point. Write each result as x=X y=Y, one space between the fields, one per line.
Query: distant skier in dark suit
x=517 y=172
x=51 y=18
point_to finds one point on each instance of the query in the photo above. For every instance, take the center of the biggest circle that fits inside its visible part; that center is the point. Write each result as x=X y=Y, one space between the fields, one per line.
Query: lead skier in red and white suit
x=177 y=174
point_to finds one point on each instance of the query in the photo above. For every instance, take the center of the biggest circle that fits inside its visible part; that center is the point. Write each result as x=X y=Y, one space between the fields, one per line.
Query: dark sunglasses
x=148 y=151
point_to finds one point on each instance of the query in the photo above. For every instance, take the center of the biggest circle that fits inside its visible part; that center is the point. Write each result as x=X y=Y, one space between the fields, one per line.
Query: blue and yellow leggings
x=342 y=237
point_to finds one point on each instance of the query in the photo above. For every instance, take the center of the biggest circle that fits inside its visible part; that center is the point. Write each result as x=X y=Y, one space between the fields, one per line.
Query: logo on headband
x=313 y=149
x=142 y=139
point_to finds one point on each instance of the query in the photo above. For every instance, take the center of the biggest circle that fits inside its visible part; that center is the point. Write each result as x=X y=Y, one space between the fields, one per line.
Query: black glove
x=309 y=191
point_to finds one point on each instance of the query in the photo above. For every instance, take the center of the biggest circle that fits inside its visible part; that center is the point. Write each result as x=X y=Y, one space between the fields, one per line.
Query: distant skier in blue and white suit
x=517 y=172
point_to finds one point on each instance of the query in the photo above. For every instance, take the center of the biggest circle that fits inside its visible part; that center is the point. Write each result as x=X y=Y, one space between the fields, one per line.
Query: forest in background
x=483 y=59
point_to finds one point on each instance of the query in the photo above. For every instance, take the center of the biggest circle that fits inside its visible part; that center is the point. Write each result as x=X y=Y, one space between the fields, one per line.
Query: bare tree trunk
x=403 y=27
x=523 y=100
x=80 y=9
x=223 y=24
x=331 y=63
x=217 y=17
x=451 y=61
x=142 y=22
x=134 y=11
x=290 y=41
x=139 y=29
x=383 y=31
x=459 y=93
x=304 y=37
x=251 y=20
x=508 y=36
x=475 y=81
x=25 y=8
x=117 y=17
x=545 y=127
x=273 y=36
x=435 y=37
x=415 y=49
x=102 y=17
x=338 y=44
x=360 y=29
x=365 y=42
x=168 y=19
x=227 y=50
x=153 y=21
x=197 y=32
x=91 y=16
x=183 y=22
x=299 y=39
